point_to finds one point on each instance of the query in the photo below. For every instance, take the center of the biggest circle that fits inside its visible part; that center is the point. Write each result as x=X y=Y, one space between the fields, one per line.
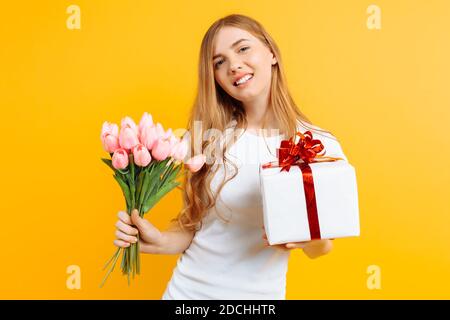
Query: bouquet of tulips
x=147 y=162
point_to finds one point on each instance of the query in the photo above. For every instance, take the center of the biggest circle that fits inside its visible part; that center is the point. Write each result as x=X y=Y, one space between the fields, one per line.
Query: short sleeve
x=334 y=149
x=332 y=146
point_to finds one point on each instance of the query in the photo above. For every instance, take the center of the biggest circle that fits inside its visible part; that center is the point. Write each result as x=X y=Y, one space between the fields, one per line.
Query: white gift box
x=285 y=208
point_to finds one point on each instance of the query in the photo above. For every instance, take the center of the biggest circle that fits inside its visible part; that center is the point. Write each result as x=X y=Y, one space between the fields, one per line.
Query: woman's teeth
x=244 y=79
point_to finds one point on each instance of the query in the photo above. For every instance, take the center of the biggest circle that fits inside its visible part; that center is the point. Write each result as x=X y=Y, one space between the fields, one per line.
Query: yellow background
x=384 y=93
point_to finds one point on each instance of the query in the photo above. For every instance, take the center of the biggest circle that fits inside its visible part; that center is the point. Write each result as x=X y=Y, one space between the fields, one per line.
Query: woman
x=219 y=233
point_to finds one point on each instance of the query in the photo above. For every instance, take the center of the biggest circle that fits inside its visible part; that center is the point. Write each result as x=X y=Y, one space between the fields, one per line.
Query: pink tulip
x=196 y=163
x=110 y=143
x=109 y=128
x=141 y=155
x=173 y=141
x=161 y=149
x=120 y=159
x=160 y=131
x=127 y=122
x=146 y=121
x=168 y=134
x=128 y=138
x=180 y=150
x=148 y=137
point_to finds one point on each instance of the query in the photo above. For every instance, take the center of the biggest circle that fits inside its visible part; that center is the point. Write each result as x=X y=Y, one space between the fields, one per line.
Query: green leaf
x=125 y=189
x=114 y=259
x=137 y=173
x=173 y=174
x=131 y=164
x=133 y=194
x=109 y=163
x=153 y=182
x=165 y=173
x=161 y=193
x=139 y=182
x=131 y=180
x=124 y=172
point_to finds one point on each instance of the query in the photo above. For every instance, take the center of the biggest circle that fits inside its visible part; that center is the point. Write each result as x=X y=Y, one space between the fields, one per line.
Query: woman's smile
x=244 y=81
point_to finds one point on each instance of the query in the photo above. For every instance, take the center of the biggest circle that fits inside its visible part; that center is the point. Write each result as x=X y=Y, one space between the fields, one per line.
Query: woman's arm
x=152 y=241
x=313 y=249
x=175 y=240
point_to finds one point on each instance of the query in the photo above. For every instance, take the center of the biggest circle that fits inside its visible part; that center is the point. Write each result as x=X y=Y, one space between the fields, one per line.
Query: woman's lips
x=244 y=83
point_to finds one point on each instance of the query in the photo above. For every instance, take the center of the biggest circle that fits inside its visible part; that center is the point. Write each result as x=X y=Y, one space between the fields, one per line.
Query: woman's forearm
x=175 y=242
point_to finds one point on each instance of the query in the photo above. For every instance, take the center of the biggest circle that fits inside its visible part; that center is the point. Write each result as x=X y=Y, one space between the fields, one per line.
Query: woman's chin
x=246 y=97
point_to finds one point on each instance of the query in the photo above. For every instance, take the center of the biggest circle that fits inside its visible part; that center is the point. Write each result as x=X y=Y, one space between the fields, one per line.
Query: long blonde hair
x=215 y=109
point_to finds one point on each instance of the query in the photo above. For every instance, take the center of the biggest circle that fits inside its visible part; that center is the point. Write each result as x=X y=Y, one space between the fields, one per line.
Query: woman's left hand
x=312 y=248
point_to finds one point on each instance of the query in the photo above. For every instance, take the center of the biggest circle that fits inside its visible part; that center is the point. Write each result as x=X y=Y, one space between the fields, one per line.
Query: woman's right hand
x=128 y=229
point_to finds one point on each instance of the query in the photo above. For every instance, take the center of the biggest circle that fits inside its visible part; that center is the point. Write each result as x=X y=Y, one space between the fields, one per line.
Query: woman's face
x=235 y=59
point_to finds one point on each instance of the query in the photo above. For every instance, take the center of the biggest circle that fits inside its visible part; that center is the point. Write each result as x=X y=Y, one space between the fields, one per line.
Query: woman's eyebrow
x=233 y=45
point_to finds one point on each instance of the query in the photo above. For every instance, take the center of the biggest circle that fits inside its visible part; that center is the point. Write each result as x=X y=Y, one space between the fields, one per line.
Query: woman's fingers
x=293 y=245
x=278 y=246
x=286 y=246
x=125 y=237
x=125 y=234
x=125 y=228
x=124 y=217
x=121 y=244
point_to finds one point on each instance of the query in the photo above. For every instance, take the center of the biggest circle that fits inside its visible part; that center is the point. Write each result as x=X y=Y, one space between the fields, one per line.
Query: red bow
x=306 y=149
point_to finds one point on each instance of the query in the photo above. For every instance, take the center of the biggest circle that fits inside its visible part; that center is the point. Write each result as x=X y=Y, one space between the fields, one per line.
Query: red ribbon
x=306 y=150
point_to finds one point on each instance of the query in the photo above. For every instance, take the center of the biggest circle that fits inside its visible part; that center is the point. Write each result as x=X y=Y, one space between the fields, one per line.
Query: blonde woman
x=219 y=231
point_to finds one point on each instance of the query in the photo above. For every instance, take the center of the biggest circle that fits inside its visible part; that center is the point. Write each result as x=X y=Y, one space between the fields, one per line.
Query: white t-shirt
x=230 y=260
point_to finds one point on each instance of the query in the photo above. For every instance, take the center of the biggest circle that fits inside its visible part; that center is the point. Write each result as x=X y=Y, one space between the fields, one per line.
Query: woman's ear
x=274 y=59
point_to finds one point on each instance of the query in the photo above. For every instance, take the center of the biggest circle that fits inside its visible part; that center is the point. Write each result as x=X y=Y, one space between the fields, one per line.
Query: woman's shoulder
x=316 y=131
x=331 y=143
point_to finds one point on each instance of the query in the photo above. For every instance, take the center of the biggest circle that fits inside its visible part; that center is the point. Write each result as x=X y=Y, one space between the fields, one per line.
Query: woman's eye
x=218 y=63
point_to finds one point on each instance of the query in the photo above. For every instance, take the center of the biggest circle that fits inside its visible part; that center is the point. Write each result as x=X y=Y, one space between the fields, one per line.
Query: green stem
x=116 y=256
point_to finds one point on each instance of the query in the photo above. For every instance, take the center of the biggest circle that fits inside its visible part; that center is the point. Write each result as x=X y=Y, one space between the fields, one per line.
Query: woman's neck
x=255 y=119
x=256 y=109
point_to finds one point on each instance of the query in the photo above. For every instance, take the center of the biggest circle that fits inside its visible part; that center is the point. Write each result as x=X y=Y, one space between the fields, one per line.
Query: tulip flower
x=168 y=134
x=148 y=137
x=180 y=150
x=127 y=122
x=128 y=138
x=173 y=141
x=160 y=131
x=110 y=137
x=161 y=150
x=110 y=143
x=141 y=155
x=196 y=163
x=146 y=121
x=120 y=159
x=109 y=128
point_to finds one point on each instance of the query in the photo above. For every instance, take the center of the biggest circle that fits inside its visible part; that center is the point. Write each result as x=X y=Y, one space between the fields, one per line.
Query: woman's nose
x=235 y=66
